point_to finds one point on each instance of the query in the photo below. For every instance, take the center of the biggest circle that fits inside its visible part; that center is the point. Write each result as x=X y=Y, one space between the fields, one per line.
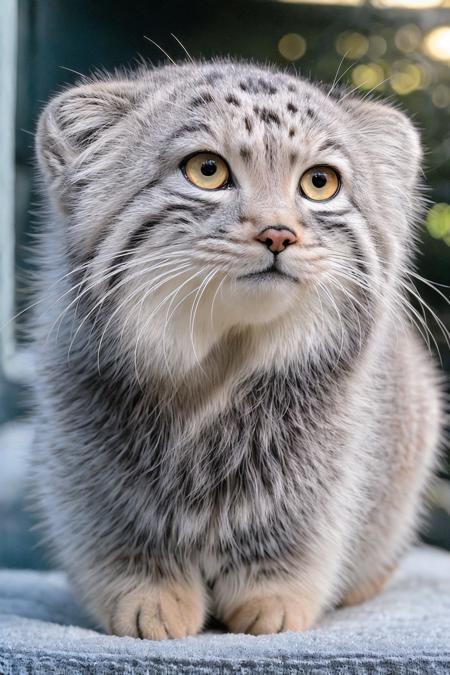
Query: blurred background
x=398 y=49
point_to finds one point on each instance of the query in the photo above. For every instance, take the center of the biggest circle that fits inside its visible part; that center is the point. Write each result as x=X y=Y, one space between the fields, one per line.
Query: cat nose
x=277 y=238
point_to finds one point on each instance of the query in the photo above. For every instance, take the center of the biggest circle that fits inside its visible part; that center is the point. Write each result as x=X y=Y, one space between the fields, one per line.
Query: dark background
x=58 y=37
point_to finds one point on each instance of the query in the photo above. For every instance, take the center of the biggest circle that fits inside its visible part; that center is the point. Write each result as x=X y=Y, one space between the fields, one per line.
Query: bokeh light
x=408 y=38
x=438 y=222
x=440 y=96
x=292 y=46
x=437 y=43
x=408 y=4
x=352 y=45
x=406 y=77
x=323 y=2
x=368 y=76
x=427 y=74
x=377 y=46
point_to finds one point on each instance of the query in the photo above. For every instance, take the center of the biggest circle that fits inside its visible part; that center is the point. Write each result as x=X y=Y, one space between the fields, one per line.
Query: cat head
x=206 y=198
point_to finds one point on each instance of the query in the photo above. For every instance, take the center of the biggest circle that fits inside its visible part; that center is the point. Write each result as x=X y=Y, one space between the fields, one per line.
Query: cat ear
x=391 y=140
x=74 y=120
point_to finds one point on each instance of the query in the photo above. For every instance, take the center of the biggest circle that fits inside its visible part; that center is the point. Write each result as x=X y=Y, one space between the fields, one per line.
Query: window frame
x=15 y=363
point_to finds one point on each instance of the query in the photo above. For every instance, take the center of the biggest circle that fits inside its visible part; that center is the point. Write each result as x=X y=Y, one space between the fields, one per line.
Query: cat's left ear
x=77 y=118
x=391 y=139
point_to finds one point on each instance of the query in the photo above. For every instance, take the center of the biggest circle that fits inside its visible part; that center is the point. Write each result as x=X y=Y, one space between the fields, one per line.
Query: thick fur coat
x=224 y=429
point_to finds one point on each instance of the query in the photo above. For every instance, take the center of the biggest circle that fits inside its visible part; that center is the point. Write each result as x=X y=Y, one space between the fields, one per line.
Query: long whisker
x=424 y=315
x=101 y=278
x=195 y=306
x=410 y=288
x=175 y=292
x=428 y=281
x=183 y=48
x=147 y=321
x=431 y=285
x=83 y=267
x=401 y=301
x=102 y=300
x=338 y=314
x=160 y=49
x=336 y=80
x=443 y=328
x=215 y=297
x=169 y=316
x=423 y=305
x=161 y=279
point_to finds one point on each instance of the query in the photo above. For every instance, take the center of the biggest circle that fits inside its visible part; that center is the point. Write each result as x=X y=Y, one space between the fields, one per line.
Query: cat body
x=235 y=416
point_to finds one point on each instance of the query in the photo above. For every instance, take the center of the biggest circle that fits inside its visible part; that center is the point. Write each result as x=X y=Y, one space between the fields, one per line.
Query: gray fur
x=207 y=442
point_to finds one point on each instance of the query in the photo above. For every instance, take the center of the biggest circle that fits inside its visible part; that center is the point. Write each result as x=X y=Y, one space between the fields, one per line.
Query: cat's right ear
x=76 y=119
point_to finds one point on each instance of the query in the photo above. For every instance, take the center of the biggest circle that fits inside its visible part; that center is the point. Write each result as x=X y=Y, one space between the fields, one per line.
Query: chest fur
x=250 y=483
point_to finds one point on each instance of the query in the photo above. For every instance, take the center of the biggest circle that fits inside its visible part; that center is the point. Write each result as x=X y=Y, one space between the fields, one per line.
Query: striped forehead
x=250 y=115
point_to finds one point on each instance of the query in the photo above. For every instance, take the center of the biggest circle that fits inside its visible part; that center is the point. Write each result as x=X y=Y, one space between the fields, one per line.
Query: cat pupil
x=319 y=180
x=209 y=167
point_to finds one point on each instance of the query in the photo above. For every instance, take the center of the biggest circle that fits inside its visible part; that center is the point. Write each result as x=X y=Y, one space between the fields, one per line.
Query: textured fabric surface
x=404 y=630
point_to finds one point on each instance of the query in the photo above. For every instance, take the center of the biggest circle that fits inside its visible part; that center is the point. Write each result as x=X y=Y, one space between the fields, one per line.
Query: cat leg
x=258 y=603
x=158 y=611
x=391 y=524
x=265 y=612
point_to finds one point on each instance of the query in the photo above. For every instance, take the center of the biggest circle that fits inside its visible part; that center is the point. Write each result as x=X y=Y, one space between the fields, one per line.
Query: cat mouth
x=271 y=272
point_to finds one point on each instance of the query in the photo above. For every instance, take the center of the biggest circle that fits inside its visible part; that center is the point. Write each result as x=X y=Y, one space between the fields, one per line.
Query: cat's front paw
x=158 y=612
x=271 y=614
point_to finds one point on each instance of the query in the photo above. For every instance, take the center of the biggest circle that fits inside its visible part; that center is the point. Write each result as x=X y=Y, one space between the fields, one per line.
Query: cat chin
x=254 y=301
x=183 y=344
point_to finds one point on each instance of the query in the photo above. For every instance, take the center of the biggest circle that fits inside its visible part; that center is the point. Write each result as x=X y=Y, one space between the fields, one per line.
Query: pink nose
x=277 y=238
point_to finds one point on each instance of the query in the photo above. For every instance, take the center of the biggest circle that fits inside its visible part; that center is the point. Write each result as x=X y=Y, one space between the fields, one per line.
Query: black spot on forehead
x=232 y=100
x=293 y=158
x=248 y=124
x=245 y=153
x=292 y=108
x=291 y=132
x=257 y=86
x=266 y=87
x=269 y=117
x=213 y=77
x=310 y=113
x=334 y=145
x=189 y=129
x=202 y=99
x=329 y=145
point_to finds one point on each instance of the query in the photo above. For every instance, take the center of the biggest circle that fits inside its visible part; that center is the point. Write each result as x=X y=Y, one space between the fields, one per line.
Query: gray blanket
x=404 y=630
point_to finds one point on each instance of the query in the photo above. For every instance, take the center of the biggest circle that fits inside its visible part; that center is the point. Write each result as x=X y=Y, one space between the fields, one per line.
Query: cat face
x=205 y=198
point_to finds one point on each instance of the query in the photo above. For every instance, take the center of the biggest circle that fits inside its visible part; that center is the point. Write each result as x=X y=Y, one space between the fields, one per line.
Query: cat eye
x=207 y=171
x=320 y=183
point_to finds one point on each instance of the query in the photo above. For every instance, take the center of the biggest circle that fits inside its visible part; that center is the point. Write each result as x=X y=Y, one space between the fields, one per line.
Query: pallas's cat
x=236 y=417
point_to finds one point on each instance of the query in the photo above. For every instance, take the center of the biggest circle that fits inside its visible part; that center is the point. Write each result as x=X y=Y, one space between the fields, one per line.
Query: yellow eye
x=207 y=171
x=320 y=183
